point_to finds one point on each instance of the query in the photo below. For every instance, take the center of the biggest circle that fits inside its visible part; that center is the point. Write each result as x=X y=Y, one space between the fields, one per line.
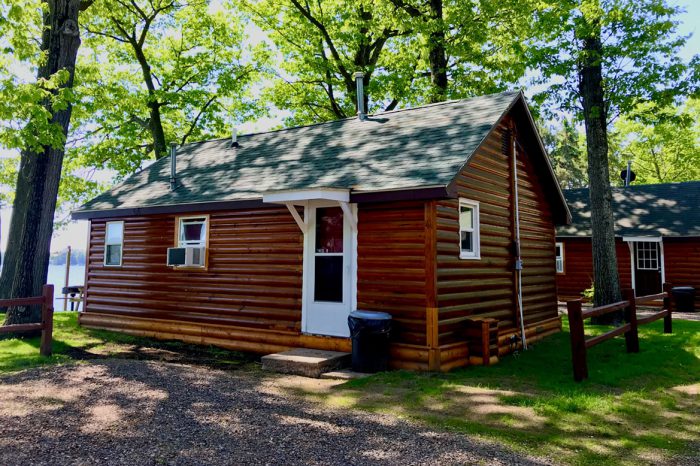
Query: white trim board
x=296 y=195
x=642 y=239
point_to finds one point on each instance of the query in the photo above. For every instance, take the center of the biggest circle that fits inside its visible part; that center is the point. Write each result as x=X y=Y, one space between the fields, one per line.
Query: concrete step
x=306 y=362
x=344 y=374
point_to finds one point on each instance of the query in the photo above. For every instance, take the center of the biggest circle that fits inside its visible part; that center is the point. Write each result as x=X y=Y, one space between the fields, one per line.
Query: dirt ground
x=136 y=412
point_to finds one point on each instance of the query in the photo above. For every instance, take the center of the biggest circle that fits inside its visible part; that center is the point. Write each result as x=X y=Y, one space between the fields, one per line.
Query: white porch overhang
x=302 y=197
x=642 y=239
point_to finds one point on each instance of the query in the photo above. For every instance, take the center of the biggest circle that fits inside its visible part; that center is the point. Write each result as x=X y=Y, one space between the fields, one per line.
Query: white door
x=328 y=271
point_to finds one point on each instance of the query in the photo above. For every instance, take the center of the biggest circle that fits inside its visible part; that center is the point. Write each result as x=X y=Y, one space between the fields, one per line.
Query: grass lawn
x=634 y=408
x=72 y=342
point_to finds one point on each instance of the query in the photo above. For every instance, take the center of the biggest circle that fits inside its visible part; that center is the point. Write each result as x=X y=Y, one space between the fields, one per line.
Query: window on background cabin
x=114 y=240
x=193 y=233
x=469 y=229
x=559 y=253
x=647 y=256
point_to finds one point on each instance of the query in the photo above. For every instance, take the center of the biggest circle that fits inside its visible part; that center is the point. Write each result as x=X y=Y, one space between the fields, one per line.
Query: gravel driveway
x=125 y=412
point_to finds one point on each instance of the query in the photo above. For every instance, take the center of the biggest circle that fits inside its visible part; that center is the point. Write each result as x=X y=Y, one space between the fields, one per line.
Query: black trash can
x=370 y=333
x=684 y=297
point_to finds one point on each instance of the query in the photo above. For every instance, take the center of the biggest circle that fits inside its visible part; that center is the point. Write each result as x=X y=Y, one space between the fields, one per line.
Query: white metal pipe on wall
x=518 y=260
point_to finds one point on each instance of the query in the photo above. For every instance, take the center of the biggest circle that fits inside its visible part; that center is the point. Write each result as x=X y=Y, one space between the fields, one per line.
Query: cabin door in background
x=328 y=250
x=647 y=268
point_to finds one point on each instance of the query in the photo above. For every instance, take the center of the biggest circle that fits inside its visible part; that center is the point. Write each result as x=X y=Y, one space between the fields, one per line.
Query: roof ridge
x=637 y=186
x=390 y=112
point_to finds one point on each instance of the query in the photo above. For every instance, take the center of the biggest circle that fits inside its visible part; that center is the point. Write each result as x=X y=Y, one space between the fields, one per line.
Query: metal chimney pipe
x=234 y=137
x=173 y=166
x=628 y=175
x=359 y=80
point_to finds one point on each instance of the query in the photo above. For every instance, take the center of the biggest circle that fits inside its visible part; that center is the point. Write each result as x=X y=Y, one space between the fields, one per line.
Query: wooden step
x=344 y=374
x=306 y=362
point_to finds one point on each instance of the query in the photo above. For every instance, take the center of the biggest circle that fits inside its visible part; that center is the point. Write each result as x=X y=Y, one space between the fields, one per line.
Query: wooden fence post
x=46 y=321
x=578 y=340
x=486 y=342
x=632 y=335
x=669 y=304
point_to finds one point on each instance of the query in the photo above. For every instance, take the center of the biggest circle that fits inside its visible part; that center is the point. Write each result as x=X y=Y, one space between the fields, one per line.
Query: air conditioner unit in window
x=189 y=256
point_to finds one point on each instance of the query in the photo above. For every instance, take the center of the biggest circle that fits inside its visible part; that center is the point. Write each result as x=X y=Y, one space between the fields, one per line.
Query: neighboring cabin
x=412 y=212
x=657 y=230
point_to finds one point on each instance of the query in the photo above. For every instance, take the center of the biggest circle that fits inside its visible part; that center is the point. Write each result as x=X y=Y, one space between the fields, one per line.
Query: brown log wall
x=249 y=297
x=682 y=263
x=391 y=265
x=253 y=277
x=391 y=256
x=537 y=238
x=485 y=288
x=578 y=267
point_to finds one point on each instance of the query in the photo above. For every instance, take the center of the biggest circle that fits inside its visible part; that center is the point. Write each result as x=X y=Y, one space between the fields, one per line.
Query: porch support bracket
x=349 y=214
x=302 y=222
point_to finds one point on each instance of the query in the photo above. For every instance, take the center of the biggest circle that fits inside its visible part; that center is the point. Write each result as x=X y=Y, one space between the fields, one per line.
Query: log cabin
x=657 y=228
x=442 y=215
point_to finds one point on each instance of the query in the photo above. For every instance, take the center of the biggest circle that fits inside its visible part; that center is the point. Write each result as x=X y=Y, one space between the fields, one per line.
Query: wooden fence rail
x=46 y=324
x=580 y=344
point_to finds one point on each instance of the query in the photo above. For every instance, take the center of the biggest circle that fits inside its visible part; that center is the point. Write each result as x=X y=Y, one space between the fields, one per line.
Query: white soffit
x=302 y=195
x=641 y=239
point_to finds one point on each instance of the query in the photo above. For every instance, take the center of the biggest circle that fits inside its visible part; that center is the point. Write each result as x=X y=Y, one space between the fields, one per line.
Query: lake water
x=57 y=277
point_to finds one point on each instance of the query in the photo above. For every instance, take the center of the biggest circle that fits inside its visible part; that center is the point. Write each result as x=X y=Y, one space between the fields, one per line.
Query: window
x=468 y=229
x=559 y=252
x=328 y=260
x=192 y=233
x=114 y=239
x=647 y=256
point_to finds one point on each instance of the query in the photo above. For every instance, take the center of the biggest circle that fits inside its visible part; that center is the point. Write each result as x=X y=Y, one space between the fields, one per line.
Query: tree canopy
x=412 y=52
x=151 y=72
x=663 y=146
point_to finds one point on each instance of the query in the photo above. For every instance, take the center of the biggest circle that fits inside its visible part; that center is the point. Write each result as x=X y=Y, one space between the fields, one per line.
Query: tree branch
x=327 y=38
x=104 y=34
x=85 y=4
x=196 y=119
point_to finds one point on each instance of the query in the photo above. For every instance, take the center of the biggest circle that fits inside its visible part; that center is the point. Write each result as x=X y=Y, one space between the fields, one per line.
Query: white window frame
x=476 y=237
x=559 y=260
x=646 y=255
x=202 y=243
x=181 y=243
x=120 y=243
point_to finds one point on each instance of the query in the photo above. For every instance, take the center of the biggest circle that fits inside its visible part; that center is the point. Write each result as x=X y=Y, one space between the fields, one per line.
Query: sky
x=75 y=233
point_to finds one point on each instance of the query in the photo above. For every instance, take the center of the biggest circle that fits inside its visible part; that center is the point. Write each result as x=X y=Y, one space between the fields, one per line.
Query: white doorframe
x=350 y=272
x=631 y=242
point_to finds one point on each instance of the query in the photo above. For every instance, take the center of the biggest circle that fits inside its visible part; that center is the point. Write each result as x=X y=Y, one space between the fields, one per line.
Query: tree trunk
x=437 y=54
x=26 y=263
x=606 y=280
x=155 y=123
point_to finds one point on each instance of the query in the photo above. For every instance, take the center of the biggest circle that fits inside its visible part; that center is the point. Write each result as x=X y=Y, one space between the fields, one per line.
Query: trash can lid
x=370 y=315
x=682 y=288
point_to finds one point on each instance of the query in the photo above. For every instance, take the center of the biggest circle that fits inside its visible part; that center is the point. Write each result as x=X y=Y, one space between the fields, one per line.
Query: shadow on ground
x=120 y=412
x=635 y=408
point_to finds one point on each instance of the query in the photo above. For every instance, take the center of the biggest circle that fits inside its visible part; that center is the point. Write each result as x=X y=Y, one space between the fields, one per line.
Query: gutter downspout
x=518 y=259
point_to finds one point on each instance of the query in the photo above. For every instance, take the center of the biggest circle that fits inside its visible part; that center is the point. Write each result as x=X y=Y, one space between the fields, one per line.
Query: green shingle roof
x=403 y=149
x=670 y=209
